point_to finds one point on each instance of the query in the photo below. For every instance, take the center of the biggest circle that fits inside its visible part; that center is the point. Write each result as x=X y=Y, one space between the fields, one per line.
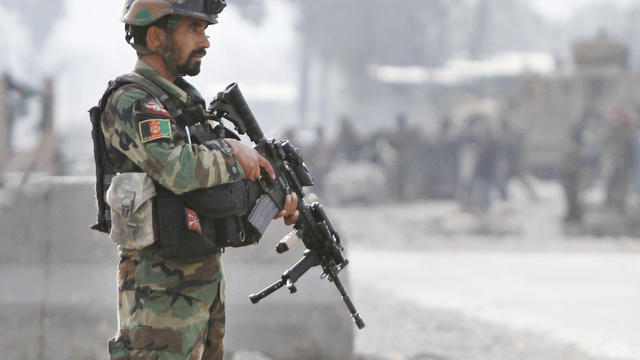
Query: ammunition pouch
x=130 y=200
x=235 y=230
x=204 y=221
x=227 y=207
x=182 y=235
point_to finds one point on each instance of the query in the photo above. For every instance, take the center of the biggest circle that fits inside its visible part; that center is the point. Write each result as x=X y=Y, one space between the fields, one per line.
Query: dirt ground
x=434 y=282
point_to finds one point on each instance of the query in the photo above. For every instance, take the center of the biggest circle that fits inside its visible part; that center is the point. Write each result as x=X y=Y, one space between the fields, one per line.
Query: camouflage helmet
x=144 y=12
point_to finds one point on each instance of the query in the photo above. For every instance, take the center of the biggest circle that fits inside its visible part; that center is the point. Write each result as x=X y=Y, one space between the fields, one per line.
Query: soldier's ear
x=155 y=37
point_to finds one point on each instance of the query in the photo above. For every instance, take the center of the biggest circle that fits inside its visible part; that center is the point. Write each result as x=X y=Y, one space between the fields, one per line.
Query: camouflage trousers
x=168 y=310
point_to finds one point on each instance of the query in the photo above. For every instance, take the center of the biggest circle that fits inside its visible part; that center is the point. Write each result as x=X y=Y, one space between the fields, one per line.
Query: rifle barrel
x=347 y=300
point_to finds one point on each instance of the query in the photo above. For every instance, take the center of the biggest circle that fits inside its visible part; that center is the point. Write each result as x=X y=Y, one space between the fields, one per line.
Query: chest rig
x=219 y=212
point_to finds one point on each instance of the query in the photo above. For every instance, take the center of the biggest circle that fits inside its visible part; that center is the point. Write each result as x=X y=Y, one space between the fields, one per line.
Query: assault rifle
x=313 y=227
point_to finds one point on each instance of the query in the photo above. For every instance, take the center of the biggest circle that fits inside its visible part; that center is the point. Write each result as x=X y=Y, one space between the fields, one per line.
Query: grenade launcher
x=313 y=227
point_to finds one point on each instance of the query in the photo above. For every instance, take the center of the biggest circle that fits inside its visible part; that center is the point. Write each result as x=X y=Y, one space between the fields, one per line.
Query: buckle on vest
x=128 y=201
x=131 y=229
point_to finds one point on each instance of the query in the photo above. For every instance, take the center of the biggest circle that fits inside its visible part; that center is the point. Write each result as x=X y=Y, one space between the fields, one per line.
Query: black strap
x=153 y=89
x=104 y=168
x=103 y=224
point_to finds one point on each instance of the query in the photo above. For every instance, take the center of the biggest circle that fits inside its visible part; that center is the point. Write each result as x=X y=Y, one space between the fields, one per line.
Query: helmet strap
x=140 y=49
x=167 y=51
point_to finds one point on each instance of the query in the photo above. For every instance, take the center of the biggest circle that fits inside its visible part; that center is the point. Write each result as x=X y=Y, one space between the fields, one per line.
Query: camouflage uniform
x=166 y=310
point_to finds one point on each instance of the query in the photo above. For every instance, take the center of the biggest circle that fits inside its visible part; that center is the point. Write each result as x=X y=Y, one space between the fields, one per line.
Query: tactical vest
x=221 y=210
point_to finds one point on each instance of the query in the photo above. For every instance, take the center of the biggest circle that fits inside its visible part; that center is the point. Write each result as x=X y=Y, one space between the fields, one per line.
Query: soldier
x=406 y=142
x=484 y=170
x=152 y=123
x=511 y=163
x=620 y=157
x=572 y=178
x=445 y=170
x=320 y=160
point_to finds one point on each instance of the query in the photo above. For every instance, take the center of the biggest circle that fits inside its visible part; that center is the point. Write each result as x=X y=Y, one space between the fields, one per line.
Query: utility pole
x=303 y=93
x=5 y=132
x=47 y=153
x=478 y=46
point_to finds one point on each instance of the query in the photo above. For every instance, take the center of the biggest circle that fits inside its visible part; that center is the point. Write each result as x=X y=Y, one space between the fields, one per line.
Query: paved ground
x=456 y=305
x=433 y=282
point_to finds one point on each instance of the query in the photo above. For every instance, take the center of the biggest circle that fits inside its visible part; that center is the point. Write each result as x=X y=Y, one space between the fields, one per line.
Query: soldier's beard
x=190 y=67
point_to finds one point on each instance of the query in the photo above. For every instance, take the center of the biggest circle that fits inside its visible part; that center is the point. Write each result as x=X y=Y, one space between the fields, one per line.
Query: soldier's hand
x=290 y=212
x=250 y=160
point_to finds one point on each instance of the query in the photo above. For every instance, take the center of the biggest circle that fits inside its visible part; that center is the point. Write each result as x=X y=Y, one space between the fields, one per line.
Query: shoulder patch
x=154 y=129
x=151 y=107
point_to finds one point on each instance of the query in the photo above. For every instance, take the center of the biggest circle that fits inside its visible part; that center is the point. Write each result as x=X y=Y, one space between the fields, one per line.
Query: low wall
x=58 y=289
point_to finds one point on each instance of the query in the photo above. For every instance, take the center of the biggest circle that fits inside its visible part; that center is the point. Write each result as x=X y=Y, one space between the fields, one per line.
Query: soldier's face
x=189 y=44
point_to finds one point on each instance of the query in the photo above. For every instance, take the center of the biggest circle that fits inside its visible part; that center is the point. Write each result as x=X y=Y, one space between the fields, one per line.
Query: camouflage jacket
x=140 y=135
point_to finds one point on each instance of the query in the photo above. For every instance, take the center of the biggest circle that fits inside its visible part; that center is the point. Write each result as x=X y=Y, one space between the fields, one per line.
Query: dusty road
x=436 y=283
x=493 y=305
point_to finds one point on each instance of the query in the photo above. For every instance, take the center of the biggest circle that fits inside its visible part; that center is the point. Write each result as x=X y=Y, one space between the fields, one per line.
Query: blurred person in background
x=152 y=122
x=485 y=166
x=508 y=156
x=572 y=177
x=406 y=178
x=320 y=160
x=619 y=159
x=444 y=172
x=636 y=165
x=511 y=164
x=592 y=154
x=466 y=143
x=348 y=143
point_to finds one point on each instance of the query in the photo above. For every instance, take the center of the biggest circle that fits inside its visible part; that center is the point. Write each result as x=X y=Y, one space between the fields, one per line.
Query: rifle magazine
x=262 y=213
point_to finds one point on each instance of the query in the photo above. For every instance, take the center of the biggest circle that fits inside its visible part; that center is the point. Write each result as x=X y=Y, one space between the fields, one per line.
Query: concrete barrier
x=58 y=287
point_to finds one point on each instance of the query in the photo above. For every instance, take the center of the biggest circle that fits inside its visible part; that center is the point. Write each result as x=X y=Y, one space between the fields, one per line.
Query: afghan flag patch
x=154 y=129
